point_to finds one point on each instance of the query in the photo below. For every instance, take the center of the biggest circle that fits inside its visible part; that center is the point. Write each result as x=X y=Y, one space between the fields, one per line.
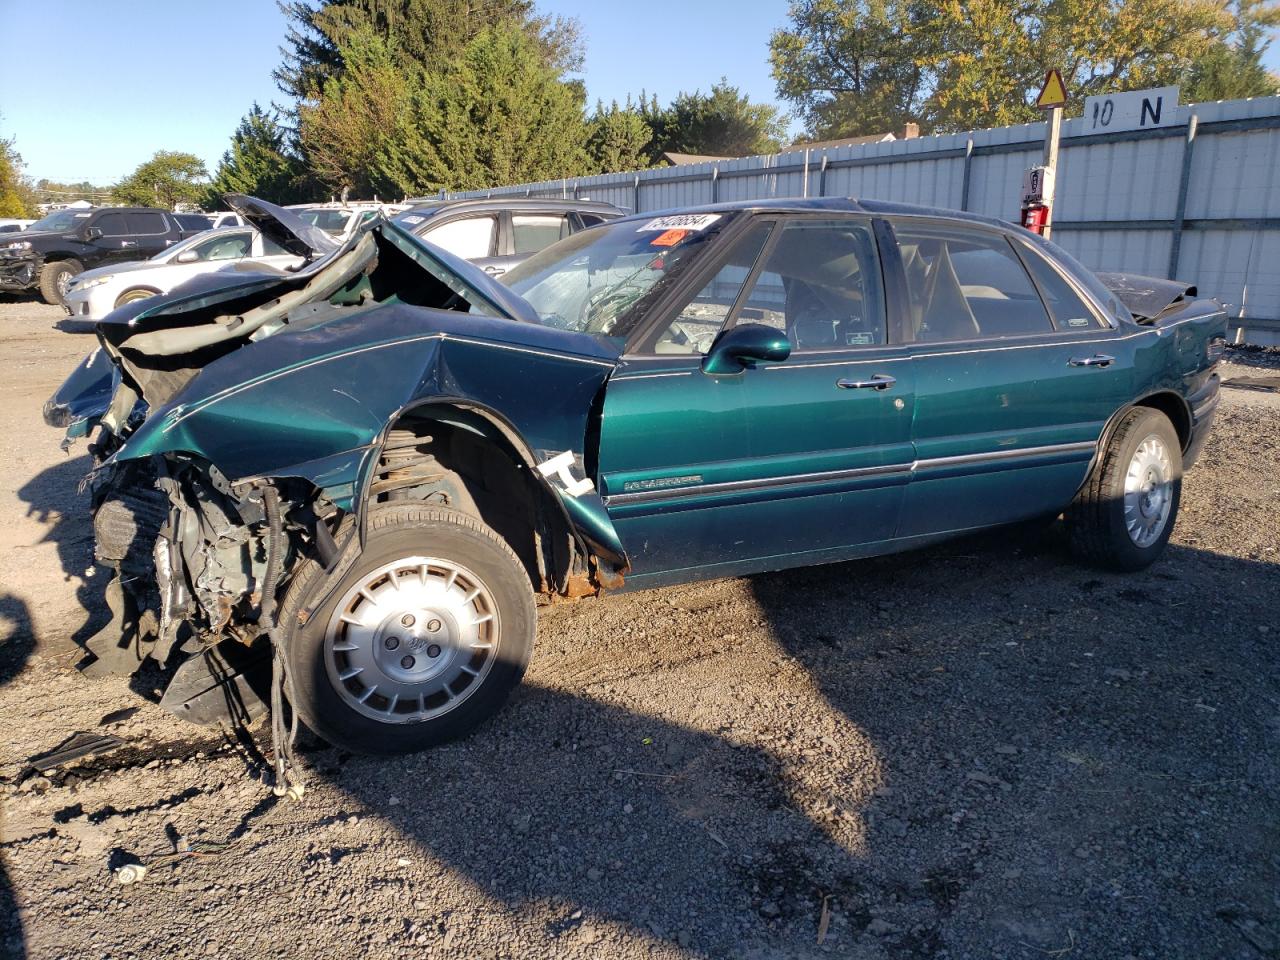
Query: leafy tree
x=500 y=114
x=619 y=138
x=867 y=66
x=852 y=68
x=258 y=163
x=1234 y=68
x=722 y=123
x=423 y=33
x=356 y=115
x=16 y=197
x=167 y=179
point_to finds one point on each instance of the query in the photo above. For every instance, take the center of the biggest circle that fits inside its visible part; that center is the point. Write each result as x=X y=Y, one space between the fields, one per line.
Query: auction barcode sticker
x=682 y=221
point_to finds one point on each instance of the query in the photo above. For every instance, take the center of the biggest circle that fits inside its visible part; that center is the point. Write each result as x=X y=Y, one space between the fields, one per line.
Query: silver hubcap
x=1148 y=491
x=412 y=640
x=63 y=281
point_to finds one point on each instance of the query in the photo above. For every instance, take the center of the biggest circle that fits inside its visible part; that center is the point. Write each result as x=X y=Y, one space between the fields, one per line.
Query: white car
x=95 y=293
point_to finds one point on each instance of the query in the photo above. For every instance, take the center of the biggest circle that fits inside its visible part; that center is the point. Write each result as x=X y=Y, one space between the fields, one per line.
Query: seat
x=946 y=314
x=811 y=323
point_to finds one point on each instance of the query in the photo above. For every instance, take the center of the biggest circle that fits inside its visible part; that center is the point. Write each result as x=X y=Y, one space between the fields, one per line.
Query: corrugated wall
x=1121 y=203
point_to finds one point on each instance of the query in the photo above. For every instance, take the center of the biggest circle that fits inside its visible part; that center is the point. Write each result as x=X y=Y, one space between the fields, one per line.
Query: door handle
x=881 y=381
x=1097 y=360
x=128 y=243
x=494 y=271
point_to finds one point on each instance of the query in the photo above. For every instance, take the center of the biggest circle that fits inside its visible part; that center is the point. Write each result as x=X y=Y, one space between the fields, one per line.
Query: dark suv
x=51 y=251
x=499 y=232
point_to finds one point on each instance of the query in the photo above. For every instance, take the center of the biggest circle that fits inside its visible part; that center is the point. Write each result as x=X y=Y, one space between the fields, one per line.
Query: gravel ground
x=982 y=750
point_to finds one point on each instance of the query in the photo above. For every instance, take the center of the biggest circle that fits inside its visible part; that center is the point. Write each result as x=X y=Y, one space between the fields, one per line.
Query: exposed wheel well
x=458 y=458
x=1173 y=407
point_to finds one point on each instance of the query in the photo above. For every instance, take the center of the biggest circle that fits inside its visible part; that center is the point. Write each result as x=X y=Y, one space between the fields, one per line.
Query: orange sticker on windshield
x=668 y=238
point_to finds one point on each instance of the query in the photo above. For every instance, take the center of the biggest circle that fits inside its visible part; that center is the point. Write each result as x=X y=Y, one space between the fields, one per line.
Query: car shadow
x=17 y=642
x=1069 y=756
x=615 y=816
x=53 y=498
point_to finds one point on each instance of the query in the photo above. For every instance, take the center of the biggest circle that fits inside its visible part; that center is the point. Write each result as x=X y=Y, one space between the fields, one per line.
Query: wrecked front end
x=243 y=429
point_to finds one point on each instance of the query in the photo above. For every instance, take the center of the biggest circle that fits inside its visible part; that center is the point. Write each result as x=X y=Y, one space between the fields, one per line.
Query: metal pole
x=964 y=181
x=1175 y=244
x=635 y=195
x=805 y=191
x=715 y=184
x=1052 y=135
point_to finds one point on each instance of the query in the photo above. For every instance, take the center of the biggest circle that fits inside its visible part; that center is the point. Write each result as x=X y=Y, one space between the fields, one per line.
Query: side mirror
x=186 y=256
x=93 y=233
x=741 y=347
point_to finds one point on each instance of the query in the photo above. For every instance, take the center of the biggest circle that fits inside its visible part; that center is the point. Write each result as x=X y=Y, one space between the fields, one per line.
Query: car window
x=590 y=219
x=152 y=223
x=272 y=249
x=967 y=284
x=112 y=225
x=699 y=321
x=469 y=238
x=821 y=286
x=1069 y=310
x=530 y=232
x=229 y=246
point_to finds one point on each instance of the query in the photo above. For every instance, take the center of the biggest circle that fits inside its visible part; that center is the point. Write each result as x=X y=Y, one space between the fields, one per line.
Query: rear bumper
x=1204 y=404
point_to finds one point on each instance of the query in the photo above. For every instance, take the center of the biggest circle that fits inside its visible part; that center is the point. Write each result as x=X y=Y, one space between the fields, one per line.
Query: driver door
x=779 y=464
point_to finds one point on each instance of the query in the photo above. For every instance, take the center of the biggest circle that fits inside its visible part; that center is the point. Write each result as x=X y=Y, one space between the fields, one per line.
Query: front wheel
x=414 y=642
x=54 y=279
x=1123 y=517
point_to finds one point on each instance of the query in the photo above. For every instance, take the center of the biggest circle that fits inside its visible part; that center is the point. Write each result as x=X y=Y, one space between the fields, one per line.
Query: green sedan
x=360 y=474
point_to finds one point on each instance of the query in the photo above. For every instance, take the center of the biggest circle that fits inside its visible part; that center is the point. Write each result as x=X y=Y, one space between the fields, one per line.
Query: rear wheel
x=1123 y=517
x=417 y=639
x=54 y=278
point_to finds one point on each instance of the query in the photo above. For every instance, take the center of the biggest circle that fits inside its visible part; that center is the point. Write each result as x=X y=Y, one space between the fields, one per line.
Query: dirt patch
x=981 y=750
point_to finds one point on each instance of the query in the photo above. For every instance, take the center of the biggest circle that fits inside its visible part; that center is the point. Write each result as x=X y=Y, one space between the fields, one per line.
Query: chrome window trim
x=915 y=466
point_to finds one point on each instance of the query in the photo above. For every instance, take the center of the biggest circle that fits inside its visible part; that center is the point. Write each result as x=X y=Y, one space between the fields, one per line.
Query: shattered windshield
x=589 y=282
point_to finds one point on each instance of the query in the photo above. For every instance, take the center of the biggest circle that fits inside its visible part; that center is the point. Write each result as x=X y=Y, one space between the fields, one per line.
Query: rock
x=1007 y=749
x=880 y=927
x=594 y=874
x=770 y=910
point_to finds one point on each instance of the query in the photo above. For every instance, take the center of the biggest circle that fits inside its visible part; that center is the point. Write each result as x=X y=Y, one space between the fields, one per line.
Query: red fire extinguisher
x=1035 y=216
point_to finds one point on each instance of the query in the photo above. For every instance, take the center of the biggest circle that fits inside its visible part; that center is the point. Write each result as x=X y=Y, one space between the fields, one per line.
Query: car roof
x=883 y=208
x=427 y=206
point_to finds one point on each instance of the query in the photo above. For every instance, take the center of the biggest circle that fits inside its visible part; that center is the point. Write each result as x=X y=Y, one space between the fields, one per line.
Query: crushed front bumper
x=17 y=274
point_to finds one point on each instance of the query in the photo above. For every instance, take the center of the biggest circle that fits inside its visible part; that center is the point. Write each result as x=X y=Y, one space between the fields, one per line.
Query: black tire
x=398 y=534
x=1097 y=522
x=54 y=277
x=137 y=293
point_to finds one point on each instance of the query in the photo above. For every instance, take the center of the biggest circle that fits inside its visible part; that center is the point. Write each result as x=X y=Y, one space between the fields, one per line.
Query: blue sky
x=125 y=78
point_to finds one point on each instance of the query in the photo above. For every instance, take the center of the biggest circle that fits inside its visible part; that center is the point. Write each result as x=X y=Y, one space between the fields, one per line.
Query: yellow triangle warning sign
x=1053 y=93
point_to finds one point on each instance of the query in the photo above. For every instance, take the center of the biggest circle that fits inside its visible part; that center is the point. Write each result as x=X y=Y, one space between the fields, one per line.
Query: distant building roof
x=845 y=142
x=680 y=159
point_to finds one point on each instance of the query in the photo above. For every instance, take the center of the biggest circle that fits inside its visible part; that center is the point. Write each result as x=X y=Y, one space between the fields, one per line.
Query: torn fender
x=315 y=402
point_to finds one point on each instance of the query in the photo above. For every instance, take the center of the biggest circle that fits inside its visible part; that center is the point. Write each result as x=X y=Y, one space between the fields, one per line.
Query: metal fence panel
x=1121 y=198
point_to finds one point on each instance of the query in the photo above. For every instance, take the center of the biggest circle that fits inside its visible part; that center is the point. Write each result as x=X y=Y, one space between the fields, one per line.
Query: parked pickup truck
x=51 y=251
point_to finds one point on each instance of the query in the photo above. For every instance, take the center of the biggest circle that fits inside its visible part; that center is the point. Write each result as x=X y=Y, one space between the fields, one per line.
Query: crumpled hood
x=37 y=238
x=1147 y=297
x=283 y=226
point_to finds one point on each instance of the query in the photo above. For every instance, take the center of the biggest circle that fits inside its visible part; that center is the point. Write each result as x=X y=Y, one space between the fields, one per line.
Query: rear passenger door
x=1013 y=384
x=151 y=233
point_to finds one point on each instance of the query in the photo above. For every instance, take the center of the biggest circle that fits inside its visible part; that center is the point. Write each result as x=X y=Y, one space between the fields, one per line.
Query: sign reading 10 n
x=1135 y=110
